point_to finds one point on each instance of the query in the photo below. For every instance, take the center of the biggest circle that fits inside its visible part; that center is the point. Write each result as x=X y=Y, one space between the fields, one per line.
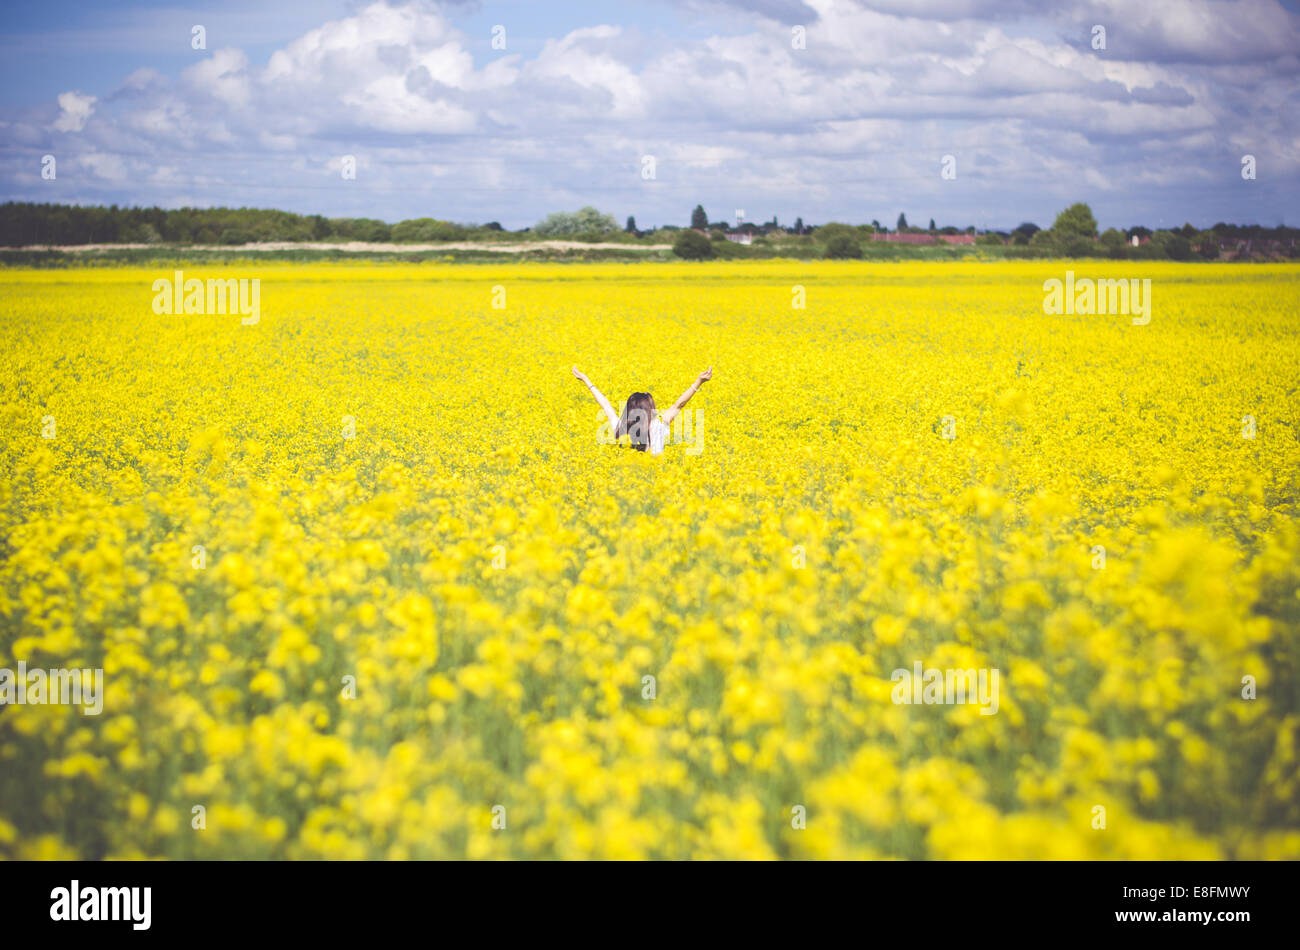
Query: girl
x=639 y=423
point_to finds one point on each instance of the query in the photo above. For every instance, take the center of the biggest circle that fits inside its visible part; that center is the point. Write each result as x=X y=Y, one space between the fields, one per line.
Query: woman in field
x=644 y=429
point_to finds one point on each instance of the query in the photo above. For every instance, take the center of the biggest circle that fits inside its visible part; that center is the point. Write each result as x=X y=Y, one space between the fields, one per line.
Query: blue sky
x=852 y=126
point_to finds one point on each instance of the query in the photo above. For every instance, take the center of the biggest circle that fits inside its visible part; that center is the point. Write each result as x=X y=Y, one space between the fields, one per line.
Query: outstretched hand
x=580 y=374
x=705 y=376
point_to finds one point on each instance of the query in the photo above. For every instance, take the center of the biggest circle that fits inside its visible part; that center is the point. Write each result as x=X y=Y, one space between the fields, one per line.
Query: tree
x=902 y=223
x=1173 y=245
x=693 y=246
x=842 y=247
x=932 y=224
x=426 y=229
x=1079 y=247
x=1027 y=230
x=876 y=225
x=583 y=221
x=631 y=225
x=798 y=225
x=833 y=229
x=144 y=233
x=1113 y=241
x=699 y=220
x=589 y=219
x=377 y=232
x=1075 y=221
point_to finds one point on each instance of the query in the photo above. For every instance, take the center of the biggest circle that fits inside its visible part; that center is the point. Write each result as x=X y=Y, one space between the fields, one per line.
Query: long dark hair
x=638 y=413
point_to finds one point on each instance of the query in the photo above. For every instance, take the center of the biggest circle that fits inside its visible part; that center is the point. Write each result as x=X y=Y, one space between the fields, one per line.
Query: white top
x=658 y=436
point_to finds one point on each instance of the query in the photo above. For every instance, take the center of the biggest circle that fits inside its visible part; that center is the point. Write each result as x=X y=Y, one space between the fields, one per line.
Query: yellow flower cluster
x=364 y=582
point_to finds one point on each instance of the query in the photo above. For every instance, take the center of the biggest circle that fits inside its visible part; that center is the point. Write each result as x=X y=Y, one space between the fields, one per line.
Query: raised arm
x=685 y=397
x=610 y=414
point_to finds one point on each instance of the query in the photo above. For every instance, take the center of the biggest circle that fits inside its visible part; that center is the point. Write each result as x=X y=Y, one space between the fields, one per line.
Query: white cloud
x=74 y=110
x=277 y=143
x=1198 y=31
x=860 y=116
x=224 y=76
x=583 y=57
x=110 y=168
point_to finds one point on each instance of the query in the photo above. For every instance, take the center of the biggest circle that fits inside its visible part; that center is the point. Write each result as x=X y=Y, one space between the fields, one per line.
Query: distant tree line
x=1074 y=232
x=23 y=223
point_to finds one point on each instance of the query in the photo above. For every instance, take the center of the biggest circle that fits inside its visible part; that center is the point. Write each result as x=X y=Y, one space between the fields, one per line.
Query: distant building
x=739 y=237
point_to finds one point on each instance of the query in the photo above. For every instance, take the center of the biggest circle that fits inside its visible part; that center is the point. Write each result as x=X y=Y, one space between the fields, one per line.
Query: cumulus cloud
x=1199 y=31
x=224 y=76
x=74 y=110
x=111 y=168
x=955 y=9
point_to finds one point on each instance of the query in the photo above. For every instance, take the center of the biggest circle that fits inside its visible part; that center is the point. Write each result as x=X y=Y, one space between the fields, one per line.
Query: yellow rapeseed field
x=364 y=582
